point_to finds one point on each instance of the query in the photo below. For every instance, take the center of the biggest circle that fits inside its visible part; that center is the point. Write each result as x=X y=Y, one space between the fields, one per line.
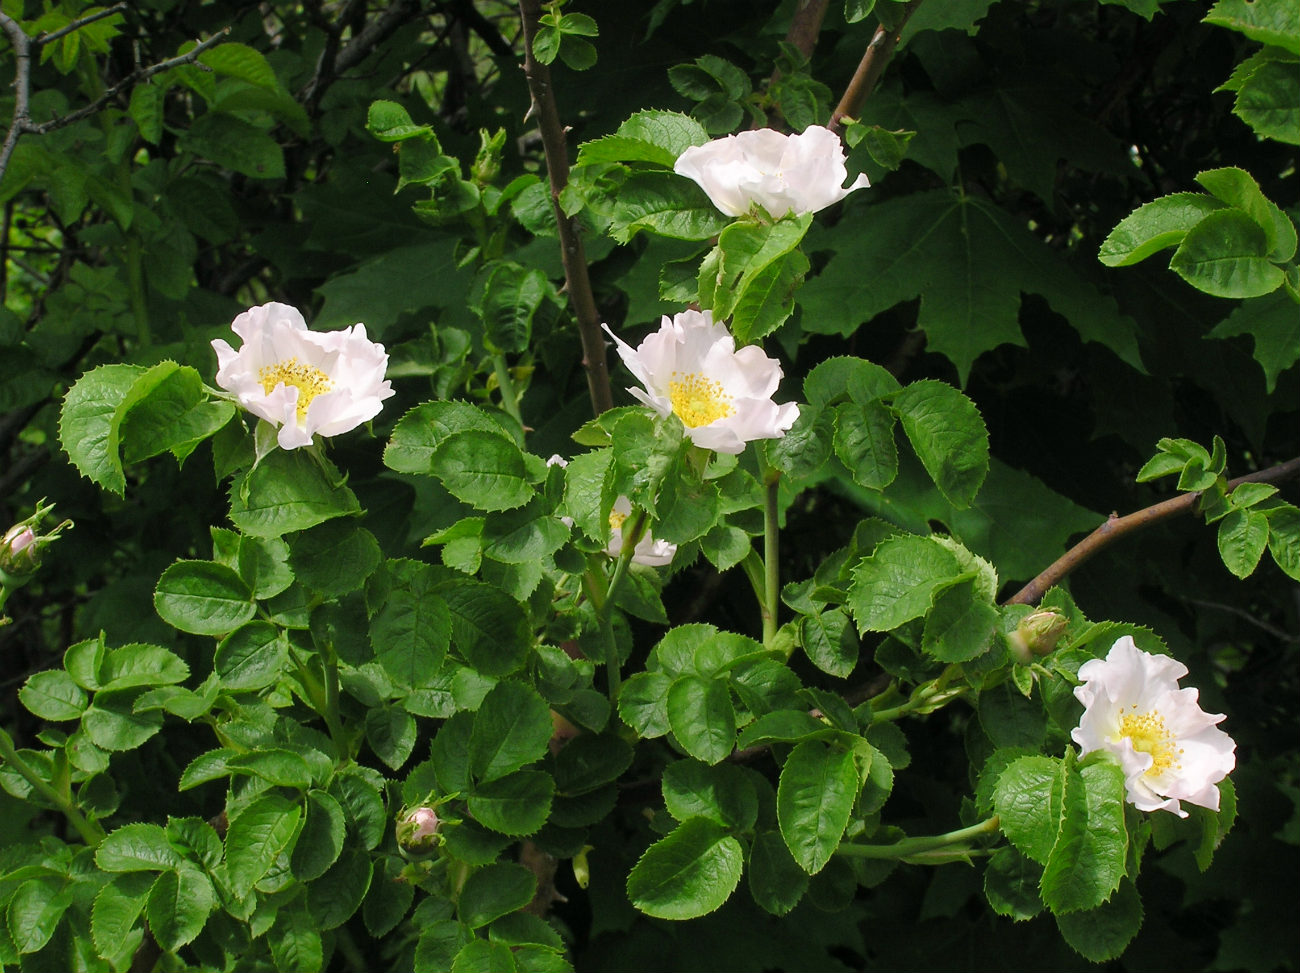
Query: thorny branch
x=25 y=46
x=572 y=251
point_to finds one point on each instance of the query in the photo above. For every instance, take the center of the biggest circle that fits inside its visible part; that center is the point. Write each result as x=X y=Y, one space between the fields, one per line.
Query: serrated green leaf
x=702 y=717
x=687 y=874
x=1242 y=537
x=296 y=941
x=948 y=436
x=666 y=204
x=1266 y=21
x=518 y=804
x=1274 y=328
x=511 y=729
x=336 y=896
x=835 y=379
x=256 y=838
x=1089 y=857
x=829 y=641
x=745 y=249
x=1226 y=255
x=1028 y=799
x=287 y=491
x=1011 y=885
x=495 y=891
x=483 y=469
x=1103 y=933
x=112 y=723
x=1269 y=100
x=53 y=695
x=1235 y=187
x=136 y=847
x=89 y=427
x=203 y=598
x=251 y=657
x=488 y=627
x=648 y=136
x=724 y=794
x=116 y=911
x=1154 y=226
x=814 y=798
x=168 y=408
x=321 y=840
x=590 y=761
x=179 y=905
x=960 y=624
x=391 y=733
x=334 y=558
x=34 y=912
x=897 y=582
x=643 y=703
x=775 y=879
x=864 y=443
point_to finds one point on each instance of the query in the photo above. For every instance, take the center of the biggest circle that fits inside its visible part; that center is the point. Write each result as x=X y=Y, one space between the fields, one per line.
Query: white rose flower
x=782 y=173
x=723 y=397
x=305 y=382
x=648 y=551
x=1169 y=748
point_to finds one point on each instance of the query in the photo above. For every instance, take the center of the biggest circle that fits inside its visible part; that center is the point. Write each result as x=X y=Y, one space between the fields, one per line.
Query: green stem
x=911 y=847
x=91 y=833
x=509 y=397
x=602 y=597
x=771 y=600
x=926 y=698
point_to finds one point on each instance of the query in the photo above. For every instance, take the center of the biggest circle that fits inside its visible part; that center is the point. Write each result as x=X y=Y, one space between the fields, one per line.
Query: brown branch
x=572 y=252
x=871 y=67
x=805 y=26
x=325 y=73
x=1116 y=527
x=76 y=25
x=374 y=33
x=22 y=123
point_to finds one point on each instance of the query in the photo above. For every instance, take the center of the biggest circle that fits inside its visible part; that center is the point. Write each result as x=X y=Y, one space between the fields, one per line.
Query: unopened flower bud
x=20 y=550
x=18 y=553
x=418 y=830
x=1036 y=635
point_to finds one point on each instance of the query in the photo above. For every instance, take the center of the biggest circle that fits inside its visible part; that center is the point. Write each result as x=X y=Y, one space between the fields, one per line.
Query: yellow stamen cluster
x=698 y=400
x=616 y=519
x=307 y=379
x=1148 y=733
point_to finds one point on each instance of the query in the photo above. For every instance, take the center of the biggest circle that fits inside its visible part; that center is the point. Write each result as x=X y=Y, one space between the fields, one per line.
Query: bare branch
x=130 y=81
x=871 y=67
x=76 y=25
x=572 y=251
x=22 y=123
x=22 y=88
x=1117 y=526
x=374 y=33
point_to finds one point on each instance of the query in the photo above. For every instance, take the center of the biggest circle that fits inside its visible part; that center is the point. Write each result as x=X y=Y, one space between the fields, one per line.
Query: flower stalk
x=921 y=850
x=771 y=600
x=91 y=832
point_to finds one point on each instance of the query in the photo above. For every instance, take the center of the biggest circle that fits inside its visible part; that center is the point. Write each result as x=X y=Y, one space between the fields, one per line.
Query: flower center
x=1148 y=733
x=616 y=519
x=698 y=400
x=307 y=379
